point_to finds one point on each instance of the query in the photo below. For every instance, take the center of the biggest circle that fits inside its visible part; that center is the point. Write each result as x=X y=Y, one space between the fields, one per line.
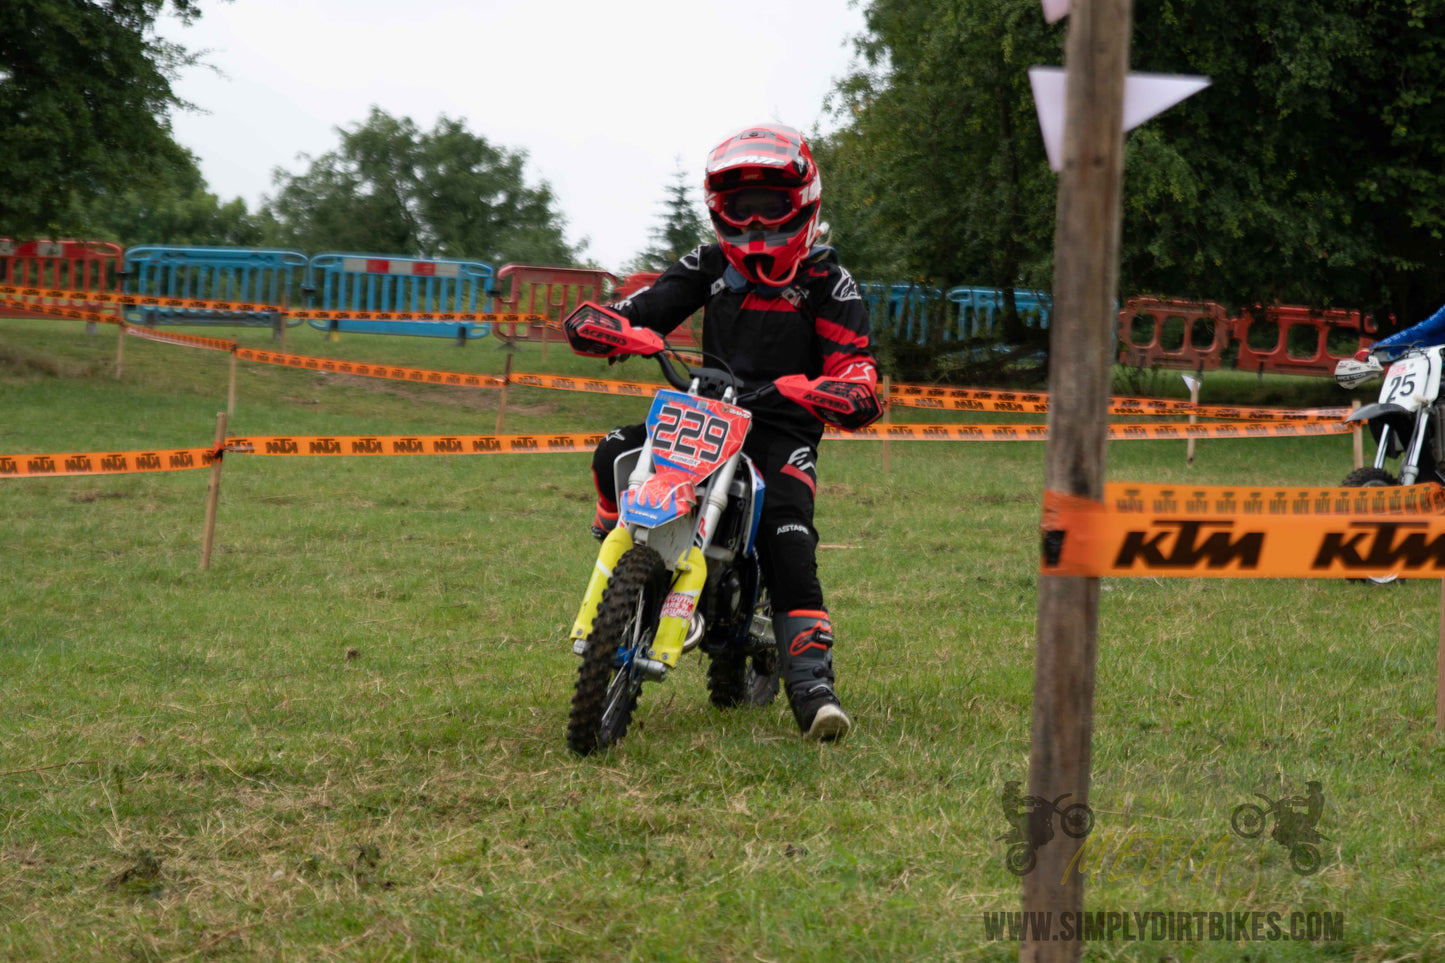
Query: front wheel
x=610 y=679
x=1371 y=477
x=1247 y=820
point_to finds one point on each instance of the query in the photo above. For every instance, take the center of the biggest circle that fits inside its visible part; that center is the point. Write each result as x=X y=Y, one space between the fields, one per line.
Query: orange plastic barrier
x=68 y=264
x=1301 y=343
x=635 y=282
x=1203 y=340
x=550 y=291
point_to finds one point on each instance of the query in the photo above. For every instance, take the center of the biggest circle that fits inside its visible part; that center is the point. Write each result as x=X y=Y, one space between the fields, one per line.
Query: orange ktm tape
x=594 y=385
x=141 y=300
x=59 y=311
x=104 y=462
x=1040 y=432
x=306 y=314
x=1094 y=539
x=1130 y=498
x=188 y=340
x=394 y=372
x=305 y=445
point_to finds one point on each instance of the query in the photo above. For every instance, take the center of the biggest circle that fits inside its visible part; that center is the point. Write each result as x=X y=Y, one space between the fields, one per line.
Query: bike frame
x=676 y=492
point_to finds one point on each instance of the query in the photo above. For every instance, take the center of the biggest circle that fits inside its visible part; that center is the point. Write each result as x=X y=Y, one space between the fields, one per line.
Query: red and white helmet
x=763 y=191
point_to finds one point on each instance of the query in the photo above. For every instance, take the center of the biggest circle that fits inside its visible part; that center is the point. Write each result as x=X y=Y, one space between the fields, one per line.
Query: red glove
x=849 y=404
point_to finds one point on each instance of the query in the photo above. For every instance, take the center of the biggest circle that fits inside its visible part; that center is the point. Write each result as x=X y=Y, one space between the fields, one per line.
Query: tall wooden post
x=1358 y=439
x=502 y=397
x=120 y=350
x=213 y=494
x=1086 y=267
x=887 y=417
x=1194 y=384
x=231 y=387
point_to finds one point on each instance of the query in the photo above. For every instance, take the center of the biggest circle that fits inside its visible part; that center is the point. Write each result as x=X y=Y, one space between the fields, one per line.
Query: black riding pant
x=787 y=541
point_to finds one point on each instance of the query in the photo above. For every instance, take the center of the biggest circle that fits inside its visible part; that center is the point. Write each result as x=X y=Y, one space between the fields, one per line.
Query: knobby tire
x=626 y=618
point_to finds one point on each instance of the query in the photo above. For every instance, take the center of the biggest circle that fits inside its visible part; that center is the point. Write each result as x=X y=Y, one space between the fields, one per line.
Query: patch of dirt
x=84 y=498
x=16 y=362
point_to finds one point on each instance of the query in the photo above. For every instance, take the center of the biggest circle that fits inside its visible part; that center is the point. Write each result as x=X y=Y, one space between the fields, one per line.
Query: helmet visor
x=771 y=206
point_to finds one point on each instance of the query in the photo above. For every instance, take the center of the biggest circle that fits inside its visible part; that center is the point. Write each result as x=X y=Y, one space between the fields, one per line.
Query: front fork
x=689 y=577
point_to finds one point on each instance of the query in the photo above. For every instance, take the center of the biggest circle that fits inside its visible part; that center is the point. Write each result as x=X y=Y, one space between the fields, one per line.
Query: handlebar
x=711 y=381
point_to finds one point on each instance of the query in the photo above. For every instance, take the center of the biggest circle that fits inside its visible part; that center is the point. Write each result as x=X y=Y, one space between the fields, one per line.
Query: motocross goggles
x=770 y=205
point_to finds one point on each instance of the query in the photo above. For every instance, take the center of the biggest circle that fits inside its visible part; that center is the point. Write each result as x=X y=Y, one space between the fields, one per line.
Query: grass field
x=345 y=739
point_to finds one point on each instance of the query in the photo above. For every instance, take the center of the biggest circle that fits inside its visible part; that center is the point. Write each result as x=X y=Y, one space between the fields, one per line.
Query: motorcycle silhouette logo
x=1031 y=821
x=1294 y=825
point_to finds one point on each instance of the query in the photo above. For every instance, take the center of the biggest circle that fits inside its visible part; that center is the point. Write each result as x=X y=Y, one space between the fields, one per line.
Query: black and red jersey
x=816 y=326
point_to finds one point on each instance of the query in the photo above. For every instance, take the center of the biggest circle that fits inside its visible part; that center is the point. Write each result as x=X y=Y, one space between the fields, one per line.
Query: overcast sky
x=605 y=96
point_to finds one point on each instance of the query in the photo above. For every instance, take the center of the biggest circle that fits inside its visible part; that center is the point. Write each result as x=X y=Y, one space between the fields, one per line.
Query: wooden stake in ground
x=231 y=388
x=1440 y=666
x=1359 y=438
x=1086 y=267
x=502 y=399
x=120 y=350
x=887 y=417
x=1193 y=384
x=213 y=493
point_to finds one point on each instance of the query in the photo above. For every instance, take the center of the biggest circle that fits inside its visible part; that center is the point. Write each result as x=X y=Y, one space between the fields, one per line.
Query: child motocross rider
x=775 y=306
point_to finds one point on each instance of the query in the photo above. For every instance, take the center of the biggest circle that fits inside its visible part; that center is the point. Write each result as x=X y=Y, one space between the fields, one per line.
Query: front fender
x=1400 y=421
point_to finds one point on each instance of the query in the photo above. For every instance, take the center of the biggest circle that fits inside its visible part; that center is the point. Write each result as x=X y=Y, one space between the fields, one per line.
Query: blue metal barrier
x=979 y=310
x=234 y=274
x=373 y=283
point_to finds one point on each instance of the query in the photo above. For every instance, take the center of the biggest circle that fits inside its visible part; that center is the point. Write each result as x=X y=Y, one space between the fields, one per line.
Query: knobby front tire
x=606 y=692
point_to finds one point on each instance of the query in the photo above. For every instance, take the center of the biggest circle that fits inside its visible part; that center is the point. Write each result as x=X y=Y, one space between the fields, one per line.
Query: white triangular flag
x=1191 y=382
x=1055 y=9
x=1145 y=95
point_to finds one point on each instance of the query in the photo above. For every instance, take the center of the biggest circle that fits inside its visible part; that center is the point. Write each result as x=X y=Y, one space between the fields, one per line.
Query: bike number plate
x=694 y=435
x=1412 y=382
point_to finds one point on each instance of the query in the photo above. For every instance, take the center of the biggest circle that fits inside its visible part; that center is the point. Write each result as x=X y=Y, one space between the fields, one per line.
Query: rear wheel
x=745 y=676
x=1371 y=478
x=610 y=679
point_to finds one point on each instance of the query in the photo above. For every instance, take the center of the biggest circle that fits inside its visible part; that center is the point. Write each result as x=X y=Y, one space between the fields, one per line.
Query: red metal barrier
x=1205 y=317
x=1301 y=344
x=553 y=291
x=635 y=282
x=68 y=264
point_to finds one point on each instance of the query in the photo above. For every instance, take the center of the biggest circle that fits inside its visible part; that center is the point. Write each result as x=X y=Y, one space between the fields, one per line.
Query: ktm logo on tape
x=1184 y=543
x=1372 y=545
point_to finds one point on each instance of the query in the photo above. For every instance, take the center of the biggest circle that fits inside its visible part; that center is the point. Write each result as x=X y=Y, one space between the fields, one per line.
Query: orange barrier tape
x=1040 y=432
x=1130 y=498
x=418 y=375
x=594 y=385
x=413 y=444
x=141 y=300
x=305 y=314
x=189 y=340
x=1091 y=539
x=1038 y=404
x=60 y=311
x=104 y=463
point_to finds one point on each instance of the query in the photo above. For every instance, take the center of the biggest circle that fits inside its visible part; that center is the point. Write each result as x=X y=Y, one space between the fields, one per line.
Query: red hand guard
x=846 y=401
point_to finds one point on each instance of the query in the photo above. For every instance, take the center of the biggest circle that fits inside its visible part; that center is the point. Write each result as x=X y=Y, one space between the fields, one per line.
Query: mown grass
x=345 y=739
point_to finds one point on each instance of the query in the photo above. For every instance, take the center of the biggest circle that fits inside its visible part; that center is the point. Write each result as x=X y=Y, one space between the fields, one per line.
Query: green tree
x=179 y=210
x=1311 y=170
x=85 y=98
x=682 y=228
x=393 y=188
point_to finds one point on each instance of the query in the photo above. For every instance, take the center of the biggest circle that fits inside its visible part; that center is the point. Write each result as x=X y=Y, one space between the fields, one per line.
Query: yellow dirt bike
x=680 y=570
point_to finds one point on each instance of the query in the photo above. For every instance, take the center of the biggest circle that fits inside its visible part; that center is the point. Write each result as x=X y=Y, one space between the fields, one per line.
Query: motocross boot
x=604 y=521
x=805 y=650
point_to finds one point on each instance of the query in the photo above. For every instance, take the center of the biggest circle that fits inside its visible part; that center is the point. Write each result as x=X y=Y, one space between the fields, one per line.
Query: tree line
x=1309 y=172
